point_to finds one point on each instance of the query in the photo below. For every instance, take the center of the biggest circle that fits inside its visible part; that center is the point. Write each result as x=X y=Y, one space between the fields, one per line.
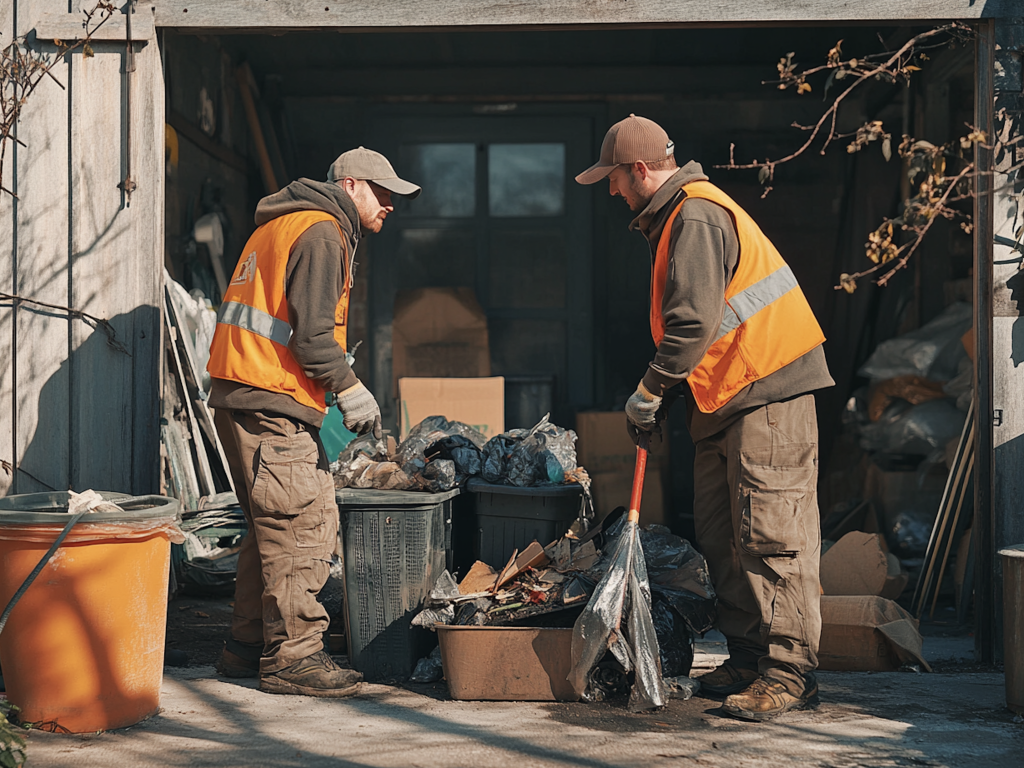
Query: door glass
x=435 y=258
x=526 y=179
x=447 y=174
x=527 y=268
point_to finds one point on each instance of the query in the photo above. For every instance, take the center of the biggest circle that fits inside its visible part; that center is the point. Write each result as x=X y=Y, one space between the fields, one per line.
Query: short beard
x=642 y=198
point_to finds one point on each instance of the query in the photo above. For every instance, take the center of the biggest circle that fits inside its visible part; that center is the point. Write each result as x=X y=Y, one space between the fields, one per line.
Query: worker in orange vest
x=736 y=338
x=277 y=359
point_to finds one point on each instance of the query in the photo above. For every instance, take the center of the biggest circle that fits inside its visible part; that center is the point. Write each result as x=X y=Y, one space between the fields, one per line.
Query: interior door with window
x=499 y=213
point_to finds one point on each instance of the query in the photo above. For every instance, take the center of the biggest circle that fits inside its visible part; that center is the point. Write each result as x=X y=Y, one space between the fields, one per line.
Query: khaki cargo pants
x=756 y=517
x=283 y=485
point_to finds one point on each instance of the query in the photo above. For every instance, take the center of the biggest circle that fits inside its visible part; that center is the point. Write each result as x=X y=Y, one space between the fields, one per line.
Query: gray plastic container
x=507 y=517
x=395 y=544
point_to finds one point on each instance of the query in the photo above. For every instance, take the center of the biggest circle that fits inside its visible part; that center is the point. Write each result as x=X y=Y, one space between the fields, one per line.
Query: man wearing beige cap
x=736 y=338
x=278 y=358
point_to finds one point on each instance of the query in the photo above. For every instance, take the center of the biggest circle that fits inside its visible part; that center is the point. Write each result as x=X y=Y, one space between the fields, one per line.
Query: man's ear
x=640 y=170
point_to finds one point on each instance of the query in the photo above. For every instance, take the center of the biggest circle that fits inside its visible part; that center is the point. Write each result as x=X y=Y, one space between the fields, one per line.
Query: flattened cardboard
x=477 y=402
x=854 y=565
x=604 y=446
x=439 y=333
x=481 y=578
x=867 y=634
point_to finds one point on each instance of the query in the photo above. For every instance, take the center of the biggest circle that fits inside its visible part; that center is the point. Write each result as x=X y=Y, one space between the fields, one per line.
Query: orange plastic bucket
x=83 y=650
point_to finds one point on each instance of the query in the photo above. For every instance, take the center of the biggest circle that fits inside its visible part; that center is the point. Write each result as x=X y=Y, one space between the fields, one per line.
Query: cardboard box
x=613 y=489
x=858 y=564
x=867 y=634
x=439 y=333
x=477 y=402
x=604 y=446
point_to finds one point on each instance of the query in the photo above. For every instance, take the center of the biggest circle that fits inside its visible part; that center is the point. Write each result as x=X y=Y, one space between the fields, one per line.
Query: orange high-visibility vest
x=250 y=345
x=767 y=323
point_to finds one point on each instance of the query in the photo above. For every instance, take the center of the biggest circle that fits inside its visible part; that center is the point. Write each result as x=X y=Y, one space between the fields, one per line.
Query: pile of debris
x=439 y=455
x=549 y=587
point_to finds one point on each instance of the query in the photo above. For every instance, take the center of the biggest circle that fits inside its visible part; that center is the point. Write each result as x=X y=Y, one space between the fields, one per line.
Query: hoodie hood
x=309 y=195
x=666 y=193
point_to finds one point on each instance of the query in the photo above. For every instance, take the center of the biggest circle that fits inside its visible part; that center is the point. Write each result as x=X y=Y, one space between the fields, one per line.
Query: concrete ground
x=953 y=717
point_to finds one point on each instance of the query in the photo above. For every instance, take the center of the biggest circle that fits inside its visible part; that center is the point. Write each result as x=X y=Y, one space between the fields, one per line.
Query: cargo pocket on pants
x=286 y=481
x=777 y=499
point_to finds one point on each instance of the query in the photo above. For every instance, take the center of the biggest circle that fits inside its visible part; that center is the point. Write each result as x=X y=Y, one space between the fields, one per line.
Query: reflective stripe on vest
x=255 y=321
x=767 y=322
x=748 y=302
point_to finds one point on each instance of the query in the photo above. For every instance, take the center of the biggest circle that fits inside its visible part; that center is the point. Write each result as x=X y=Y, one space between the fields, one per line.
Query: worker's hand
x=360 y=409
x=642 y=409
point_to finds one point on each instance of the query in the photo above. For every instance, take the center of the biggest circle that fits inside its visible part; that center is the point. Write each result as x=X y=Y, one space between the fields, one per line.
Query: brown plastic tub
x=507 y=663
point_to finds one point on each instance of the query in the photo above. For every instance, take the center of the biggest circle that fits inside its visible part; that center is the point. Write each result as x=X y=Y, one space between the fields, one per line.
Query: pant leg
x=294 y=526
x=773 y=469
x=738 y=613
x=239 y=449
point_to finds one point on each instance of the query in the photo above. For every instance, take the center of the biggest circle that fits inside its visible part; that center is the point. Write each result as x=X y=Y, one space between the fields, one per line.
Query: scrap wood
x=532 y=556
x=481 y=577
x=559 y=552
x=585 y=556
x=501 y=580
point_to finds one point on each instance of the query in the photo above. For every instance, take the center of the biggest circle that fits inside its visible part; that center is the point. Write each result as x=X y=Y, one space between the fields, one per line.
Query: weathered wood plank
x=103 y=276
x=71 y=26
x=7 y=229
x=41 y=273
x=305 y=14
x=147 y=253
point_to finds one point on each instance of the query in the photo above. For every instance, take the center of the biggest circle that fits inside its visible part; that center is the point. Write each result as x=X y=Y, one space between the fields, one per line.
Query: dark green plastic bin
x=395 y=545
x=503 y=518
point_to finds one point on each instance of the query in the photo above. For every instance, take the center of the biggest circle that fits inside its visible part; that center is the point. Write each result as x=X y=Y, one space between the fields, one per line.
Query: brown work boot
x=315 y=675
x=240 y=659
x=727 y=679
x=765 y=698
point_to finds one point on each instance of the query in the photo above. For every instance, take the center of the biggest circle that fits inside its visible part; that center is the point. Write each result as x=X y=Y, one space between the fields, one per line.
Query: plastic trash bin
x=83 y=650
x=395 y=545
x=506 y=517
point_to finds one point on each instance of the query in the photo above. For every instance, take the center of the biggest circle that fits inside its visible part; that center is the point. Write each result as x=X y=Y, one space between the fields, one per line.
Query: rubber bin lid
x=369 y=497
x=50 y=508
x=480 y=486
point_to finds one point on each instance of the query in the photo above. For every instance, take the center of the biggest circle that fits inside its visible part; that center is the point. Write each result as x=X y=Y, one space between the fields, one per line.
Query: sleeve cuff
x=656 y=382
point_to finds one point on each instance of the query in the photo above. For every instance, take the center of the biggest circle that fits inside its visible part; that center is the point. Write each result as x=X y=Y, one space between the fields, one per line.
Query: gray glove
x=642 y=409
x=360 y=409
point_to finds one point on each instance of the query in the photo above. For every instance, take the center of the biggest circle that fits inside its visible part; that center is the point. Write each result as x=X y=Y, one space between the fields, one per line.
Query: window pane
x=526 y=179
x=447 y=173
x=435 y=258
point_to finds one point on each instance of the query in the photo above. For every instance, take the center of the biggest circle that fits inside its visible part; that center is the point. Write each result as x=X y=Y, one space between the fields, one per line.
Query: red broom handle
x=638 y=480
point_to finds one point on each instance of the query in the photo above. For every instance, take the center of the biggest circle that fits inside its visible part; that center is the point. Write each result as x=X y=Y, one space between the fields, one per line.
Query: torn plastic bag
x=462 y=451
x=428 y=669
x=365 y=472
x=681 y=687
x=917 y=430
x=430 y=431
x=675 y=642
x=933 y=351
x=544 y=457
x=366 y=445
x=679 y=575
x=438 y=607
x=497 y=452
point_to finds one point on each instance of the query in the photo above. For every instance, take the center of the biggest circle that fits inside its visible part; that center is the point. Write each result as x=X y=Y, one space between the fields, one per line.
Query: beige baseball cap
x=366 y=165
x=629 y=140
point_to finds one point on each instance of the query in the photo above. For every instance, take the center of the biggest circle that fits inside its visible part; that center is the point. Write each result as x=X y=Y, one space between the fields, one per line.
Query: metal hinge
x=997 y=417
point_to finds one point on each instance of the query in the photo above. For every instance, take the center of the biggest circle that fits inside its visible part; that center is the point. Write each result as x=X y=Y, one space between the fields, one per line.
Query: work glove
x=360 y=409
x=642 y=409
x=667 y=400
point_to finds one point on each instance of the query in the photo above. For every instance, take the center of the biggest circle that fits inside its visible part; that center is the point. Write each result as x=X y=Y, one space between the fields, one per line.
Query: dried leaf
x=87 y=51
x=803 y=88
x=764 y=174
x=887 y=149
x=847 y=283
x=202 y=615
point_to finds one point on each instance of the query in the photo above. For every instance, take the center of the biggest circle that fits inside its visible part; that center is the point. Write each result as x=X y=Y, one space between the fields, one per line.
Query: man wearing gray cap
x=736 y=338
x=277 y=359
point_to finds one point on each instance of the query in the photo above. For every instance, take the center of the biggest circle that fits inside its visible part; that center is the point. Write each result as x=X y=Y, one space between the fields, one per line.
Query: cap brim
x=399 y=187
x=594 y=173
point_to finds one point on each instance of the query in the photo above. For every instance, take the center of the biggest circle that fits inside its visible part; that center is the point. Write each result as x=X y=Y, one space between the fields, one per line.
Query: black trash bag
x=675 y=641
x=543 y=457
x=460 y=450
x=496 y=454
x=439 y=476
x=679 y=575
x=606 y=681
